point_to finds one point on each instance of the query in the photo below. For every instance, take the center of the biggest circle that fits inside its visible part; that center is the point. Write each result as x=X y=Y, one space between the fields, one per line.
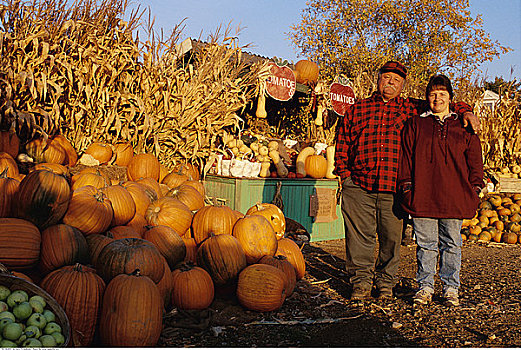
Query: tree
x=501 y=86
x=356 y=37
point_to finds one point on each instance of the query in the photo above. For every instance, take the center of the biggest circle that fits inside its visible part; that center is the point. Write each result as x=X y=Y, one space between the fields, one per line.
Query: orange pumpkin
x=96 y=243
x=151 y=185
x=124 y=153
x=274 y=215
x=191 y=250
x=140 y=196
x=188 y=195
x=256 y=236
x=45 y=151
x=9 y=143
x=122 y=231
x=62 y=245
x=198 y=185
x=8 y=190
x=138 y=223
x=20 y=248
x=170 y=212
x=282 y=263
x=91 y=170
x=43 y=198
x=79 y=290
x=261 y=288
x=174 y=179
x=100 y=151
x=291 y=250
x=192 y=288
x=122 y=204
x=316 y=166
x=93 y=179
x=216 y=219
x=165 y=285
x=59 y=169
x=307 y=72
x=131 y=313
x=189 y=170
x=143 y=165
x=89 y=210
x=8 y=164
x=71 y=156
x=168 y=242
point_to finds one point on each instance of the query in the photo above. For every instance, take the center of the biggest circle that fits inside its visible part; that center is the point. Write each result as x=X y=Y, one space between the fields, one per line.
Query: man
x=367 y=156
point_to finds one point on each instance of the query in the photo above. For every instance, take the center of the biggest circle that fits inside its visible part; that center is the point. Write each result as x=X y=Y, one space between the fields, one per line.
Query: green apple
x=48 y=340
x=32 y=332
x=4 y=292
x=22 y=311
x=8 y=344
x=3 y=306
x=52 y=327
x=20 y=340
x=60 y=339
x=40 y=299
x=12 y=331
x=4 y=322
x=16 y=297
x=36 y=305
x=32 y=343
x=37 y=320
x=49 y=315
x=7 y=314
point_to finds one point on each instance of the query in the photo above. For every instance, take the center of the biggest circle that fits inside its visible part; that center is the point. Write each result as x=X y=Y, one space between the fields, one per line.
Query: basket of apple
x=29 y=316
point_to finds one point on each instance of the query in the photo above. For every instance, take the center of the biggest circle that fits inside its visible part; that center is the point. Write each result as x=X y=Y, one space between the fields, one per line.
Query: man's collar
x=429 y=113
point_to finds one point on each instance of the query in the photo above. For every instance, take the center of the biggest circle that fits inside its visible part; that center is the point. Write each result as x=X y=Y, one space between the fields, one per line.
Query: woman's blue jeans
x=433 y=236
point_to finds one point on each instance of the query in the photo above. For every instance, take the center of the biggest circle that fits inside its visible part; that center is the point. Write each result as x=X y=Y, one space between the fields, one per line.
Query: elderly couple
x=403 y=156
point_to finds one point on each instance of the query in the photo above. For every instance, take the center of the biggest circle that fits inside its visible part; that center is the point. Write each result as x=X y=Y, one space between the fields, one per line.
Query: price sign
x=281 y=82
x=341 y=97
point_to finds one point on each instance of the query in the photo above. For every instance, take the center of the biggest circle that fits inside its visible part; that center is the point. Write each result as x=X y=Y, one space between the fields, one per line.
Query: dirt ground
x=319 y=313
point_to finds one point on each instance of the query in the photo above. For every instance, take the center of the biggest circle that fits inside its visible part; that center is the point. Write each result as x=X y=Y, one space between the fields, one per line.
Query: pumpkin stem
x=3 y=175
x=136 y=272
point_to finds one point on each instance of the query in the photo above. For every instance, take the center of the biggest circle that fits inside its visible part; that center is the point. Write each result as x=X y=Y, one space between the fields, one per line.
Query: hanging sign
x=341 y=96
x=281 y=82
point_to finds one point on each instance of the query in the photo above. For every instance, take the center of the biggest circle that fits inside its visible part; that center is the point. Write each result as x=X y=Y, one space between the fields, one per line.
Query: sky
x=265 y=24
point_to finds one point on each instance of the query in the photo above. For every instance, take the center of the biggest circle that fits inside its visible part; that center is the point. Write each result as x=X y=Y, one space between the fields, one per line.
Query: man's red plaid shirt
x=369 y=137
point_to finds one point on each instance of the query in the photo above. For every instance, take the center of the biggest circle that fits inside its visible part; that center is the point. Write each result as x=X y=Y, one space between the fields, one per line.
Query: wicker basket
x=14 y=283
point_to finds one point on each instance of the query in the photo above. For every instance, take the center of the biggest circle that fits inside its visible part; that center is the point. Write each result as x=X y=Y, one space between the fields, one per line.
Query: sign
x=322 y=205
x=281 y=82
x=341 y=97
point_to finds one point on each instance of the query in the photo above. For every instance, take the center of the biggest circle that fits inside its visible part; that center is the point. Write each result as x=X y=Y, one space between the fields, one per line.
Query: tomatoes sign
x=341 y=96
x=281 y=82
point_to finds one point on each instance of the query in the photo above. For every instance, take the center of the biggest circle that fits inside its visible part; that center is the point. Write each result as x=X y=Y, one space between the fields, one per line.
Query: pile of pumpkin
x=123 y=253
x=497 y=219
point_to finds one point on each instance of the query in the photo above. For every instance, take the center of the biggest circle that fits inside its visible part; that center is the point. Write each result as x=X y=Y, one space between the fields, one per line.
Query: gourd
x=307 y=72
x=301 y=160
x=316 y=166
x=282 y=171
x=330 y=157
x=319 y=120
x=263 y=150
x=261 y=106
x=265 y=169
x=273 y=146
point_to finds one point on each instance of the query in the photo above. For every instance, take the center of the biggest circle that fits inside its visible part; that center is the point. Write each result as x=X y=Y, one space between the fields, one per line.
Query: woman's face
x=439 y=100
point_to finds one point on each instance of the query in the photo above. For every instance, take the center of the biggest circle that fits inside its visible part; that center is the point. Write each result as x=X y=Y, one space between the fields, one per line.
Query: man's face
x=390 y=85
x=439 y=100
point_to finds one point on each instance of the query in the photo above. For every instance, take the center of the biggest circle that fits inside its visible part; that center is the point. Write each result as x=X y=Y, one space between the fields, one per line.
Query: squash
x=316 y=166
x=8 y=163
x=100 y=151
x=122 y=204
x=261 y=288
x=301 y=160
x=62 y=245
x=282 y=263
x=170 y=212
x=330 y=157
x=20 y=248
x=291 y=250
x=274 y=215
x=8 y=190
x=265 y=169
x=168 y=242
x=261 y=105
x=124 y=153
x=143 y=165
x=307 y=72
x=192 y=287
x=9 y=143
x=256 y=236
x=71 y=156
x=282 y=171
x=216 y=219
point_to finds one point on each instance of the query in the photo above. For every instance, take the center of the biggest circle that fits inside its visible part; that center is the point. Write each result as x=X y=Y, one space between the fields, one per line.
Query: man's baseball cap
x=395 y=67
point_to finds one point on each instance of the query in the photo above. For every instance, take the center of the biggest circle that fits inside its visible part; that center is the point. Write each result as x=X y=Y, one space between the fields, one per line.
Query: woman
x=441 y=175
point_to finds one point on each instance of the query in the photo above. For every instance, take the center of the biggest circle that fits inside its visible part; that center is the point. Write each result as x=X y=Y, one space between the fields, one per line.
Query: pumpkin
x=216 y=219
x=71 y=156
x=139 y=223
x=168 y=242
x=509 y=237
x=274 y=215
x=316 y=166
x=123 y=152
x=122 y=204
x=143 y=165
x=89 y=210
x=222 y=257
x=20 y=248
x=8 y=190
x=59 y=169
x=45 y=151
x=307 y=72
x=43 y=198
x=261 y=288
x=192 y=288
x=128 y=254
x=100 y=151
x=79 y=291
x=191 y=250
x=93 y=179
x=187 y=195
x=163 y=171
x=291 y=250
x=96 y=242
x=8 y=164
x=174 y=179
x=256 y=236
x=198 y=185
x=9 y=143
x=131 y=312
x=188 y=169
x=282 y=263
x=62 y=245
x=140 y=196
x=151 y=185
x=91 y=170
x=165 y=285
x=170 y=212
x=122 y=231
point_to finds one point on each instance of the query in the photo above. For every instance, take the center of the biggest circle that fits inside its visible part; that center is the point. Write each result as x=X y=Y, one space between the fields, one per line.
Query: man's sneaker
x=385 y=293
x=360 y=293
x=423 y=296
x=451 y=297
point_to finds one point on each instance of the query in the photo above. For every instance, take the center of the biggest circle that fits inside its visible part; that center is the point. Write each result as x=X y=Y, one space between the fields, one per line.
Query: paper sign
x=322 y=205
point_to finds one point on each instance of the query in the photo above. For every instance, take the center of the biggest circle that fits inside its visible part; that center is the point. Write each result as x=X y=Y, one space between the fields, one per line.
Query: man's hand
x=474 y=121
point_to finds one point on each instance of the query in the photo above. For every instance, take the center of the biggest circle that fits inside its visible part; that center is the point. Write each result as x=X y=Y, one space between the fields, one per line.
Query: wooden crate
x=298 y=196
